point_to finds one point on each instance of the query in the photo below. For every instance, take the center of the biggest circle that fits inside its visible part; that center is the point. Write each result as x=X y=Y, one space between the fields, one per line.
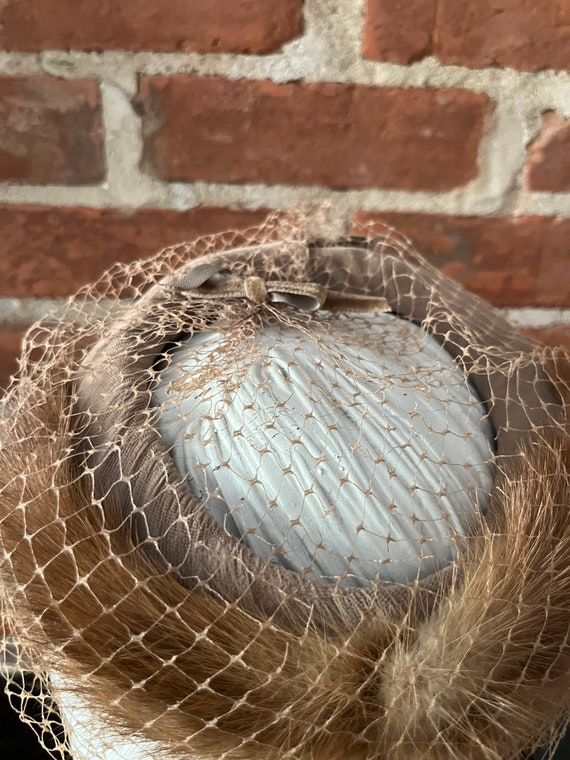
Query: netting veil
x=273 y=495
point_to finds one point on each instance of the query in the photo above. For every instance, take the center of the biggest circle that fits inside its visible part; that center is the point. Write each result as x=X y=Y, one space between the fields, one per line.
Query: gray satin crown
x=354 y=451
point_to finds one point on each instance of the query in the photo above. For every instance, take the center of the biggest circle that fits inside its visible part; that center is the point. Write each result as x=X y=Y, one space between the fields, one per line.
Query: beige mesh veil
x=130 y=584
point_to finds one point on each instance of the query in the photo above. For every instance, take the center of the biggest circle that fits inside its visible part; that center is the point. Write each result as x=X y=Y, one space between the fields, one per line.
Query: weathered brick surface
x=521 y=34
x=10 y=344
x=256 y=26
x=48 y=251
x=553 y=335
x=548 y=166
x=509 y=261
x=50 y=131
x=399 y=31
x=209 y=128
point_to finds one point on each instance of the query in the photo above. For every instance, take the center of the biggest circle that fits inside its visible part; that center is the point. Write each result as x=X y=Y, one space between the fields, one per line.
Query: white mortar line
x=252 y=197
x=55 y=195
x=536 y=317
x=550 y=204
x=342 y=202
x=549 y=87
x=24 y=311
x=126 y=185
x=20 y=312
x=185 y=196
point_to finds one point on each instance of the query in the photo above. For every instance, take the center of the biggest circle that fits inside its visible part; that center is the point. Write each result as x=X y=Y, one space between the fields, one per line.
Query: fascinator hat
x=274 y=495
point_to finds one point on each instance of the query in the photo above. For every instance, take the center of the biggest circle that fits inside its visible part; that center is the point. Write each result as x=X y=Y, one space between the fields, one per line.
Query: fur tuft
x=487 y=676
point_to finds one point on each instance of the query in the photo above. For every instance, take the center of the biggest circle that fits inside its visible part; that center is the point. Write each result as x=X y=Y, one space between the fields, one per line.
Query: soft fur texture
x=484 y=678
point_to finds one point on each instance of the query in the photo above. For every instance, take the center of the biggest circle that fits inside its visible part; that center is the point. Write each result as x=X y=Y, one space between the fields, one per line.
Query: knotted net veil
x=273 y=495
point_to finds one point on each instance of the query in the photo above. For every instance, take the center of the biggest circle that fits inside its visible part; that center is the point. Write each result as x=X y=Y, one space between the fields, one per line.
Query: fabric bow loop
x=305 y=296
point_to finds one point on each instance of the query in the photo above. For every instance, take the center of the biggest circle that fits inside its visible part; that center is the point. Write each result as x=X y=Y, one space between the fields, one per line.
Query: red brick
x=50 y=131
x=553 y=335
x=256 y=26
x=558 y=362
x=48 y=251
x=509 y=261
x=521 y=34
x=548 y=165
x=334 y=135
x=10 y=344
x=399 y=31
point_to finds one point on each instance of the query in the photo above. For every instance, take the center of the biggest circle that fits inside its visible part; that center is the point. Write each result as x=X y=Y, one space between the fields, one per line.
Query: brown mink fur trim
x=485 y=677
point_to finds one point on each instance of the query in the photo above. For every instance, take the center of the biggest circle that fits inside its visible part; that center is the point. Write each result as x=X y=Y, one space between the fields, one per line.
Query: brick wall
x=128 y=126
